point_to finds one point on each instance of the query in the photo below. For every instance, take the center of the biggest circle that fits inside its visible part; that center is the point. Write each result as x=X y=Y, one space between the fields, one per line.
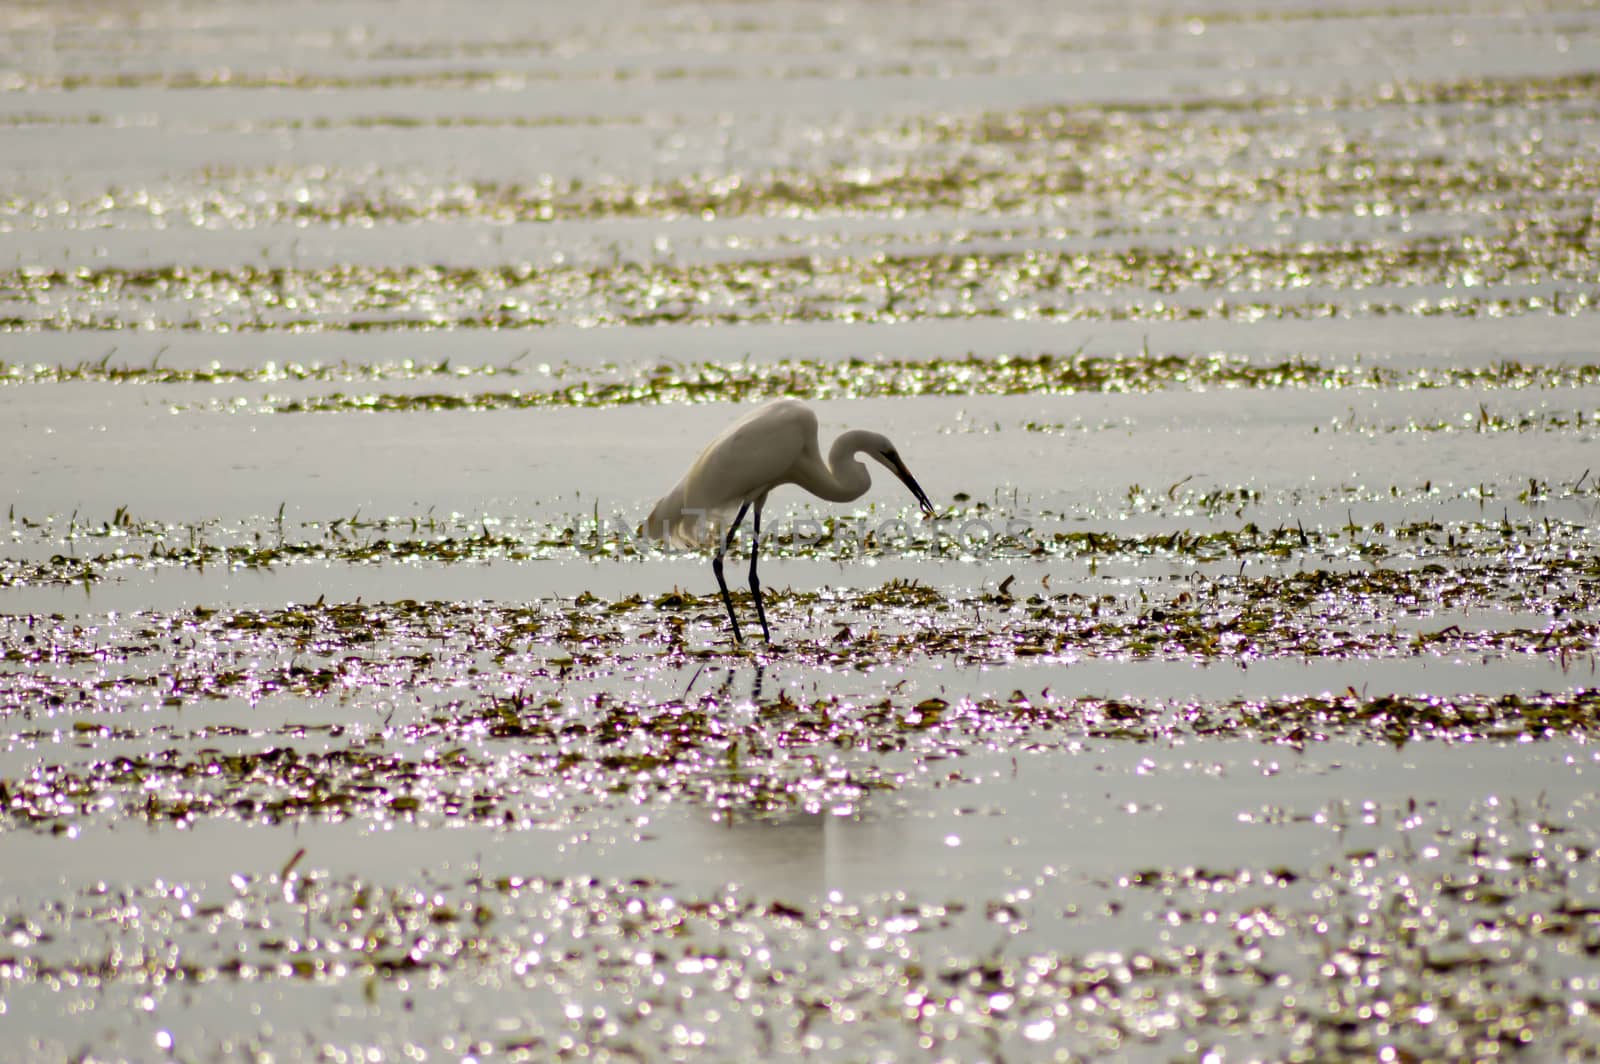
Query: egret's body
x=773 y=445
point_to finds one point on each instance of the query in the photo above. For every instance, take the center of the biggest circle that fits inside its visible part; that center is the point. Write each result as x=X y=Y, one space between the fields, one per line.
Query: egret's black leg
x=716 y=567
x=755 y=582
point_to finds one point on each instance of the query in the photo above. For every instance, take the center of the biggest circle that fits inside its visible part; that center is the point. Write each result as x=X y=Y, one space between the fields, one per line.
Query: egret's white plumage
x=772 y=445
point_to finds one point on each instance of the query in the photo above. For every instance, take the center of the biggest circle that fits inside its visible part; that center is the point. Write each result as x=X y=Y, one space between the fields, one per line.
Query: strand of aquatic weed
x=1372 y=955
x=1000 y=375
x=611 y=384
x=1477 y=90
x=50 y=679
x=1048 y=158
x=524 y=759
x=59 y=667
x=514 y=763
x=1162 y=283
x=1551 y=551
x=215 y=372
x=1386 y=718
x=1341 y=179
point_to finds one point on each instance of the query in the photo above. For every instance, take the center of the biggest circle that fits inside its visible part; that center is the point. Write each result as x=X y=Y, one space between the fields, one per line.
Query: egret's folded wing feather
x=750 y=458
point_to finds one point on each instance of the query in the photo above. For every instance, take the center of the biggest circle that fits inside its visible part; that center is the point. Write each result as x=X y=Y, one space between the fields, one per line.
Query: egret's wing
x=750 y=458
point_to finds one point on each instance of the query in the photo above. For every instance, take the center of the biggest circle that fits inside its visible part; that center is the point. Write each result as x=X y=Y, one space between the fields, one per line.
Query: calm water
x=1242 y=701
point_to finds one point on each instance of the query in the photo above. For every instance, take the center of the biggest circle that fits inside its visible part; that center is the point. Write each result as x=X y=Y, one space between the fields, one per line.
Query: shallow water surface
x=1240 y=703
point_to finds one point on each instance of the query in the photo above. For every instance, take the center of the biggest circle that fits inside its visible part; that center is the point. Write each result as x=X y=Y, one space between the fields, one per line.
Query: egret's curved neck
x=843 y=479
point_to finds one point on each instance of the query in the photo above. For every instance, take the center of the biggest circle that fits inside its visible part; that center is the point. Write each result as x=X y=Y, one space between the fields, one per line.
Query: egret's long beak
x=904 y=474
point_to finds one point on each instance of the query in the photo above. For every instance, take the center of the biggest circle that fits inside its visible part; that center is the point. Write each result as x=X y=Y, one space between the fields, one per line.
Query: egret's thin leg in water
x=716 y=567
x=755 y=582
x=772 y=445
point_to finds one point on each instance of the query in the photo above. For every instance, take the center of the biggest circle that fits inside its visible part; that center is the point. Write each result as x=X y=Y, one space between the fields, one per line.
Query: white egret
x=774 y=444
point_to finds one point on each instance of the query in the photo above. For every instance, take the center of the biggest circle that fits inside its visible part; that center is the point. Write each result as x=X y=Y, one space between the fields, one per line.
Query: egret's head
x=879 y=447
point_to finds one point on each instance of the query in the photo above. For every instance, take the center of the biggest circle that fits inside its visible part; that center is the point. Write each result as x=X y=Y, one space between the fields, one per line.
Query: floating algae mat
x=1137 y=283
x=1240 y=702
